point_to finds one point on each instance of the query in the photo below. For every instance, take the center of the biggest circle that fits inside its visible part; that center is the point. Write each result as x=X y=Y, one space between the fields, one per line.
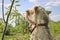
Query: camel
x=38 y=17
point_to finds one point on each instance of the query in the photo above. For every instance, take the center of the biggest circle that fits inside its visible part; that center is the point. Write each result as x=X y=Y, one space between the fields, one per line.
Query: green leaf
x=11 y=0
x=16 y=1
x=17 y=5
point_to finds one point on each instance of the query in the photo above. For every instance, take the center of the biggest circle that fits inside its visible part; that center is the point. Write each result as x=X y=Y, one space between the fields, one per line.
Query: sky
x=53 y=5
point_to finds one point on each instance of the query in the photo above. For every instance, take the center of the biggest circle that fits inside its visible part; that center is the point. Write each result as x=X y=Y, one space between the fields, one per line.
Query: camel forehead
x=32 y=9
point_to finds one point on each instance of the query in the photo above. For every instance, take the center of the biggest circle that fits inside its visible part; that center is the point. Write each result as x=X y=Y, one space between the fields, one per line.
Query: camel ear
x=48 y=12
x=36 y=8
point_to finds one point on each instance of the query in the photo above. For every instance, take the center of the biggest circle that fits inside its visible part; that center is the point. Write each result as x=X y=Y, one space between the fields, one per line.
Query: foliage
x=19 y=32
x=1 y=25
x=55 y=29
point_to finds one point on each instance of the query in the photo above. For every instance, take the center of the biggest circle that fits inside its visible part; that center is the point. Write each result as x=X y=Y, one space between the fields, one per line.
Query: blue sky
x=53 y=5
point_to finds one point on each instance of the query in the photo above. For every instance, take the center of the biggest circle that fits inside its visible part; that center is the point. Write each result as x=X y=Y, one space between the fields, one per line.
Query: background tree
x=17 y=18
x=6 y=19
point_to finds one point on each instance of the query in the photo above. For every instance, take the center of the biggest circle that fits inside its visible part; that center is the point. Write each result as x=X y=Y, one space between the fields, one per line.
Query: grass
x=15 y=36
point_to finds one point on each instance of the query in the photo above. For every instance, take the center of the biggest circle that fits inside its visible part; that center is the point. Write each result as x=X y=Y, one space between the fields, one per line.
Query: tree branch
x=3 y=10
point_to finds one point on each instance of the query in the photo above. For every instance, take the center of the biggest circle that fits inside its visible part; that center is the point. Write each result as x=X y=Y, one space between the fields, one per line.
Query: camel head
x=38 y=14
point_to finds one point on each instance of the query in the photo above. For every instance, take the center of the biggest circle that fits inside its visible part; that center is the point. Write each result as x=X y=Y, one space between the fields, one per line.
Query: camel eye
x=32 y=12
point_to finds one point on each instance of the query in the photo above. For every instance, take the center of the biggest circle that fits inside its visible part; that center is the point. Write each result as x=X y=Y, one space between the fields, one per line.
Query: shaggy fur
x=38 y=15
